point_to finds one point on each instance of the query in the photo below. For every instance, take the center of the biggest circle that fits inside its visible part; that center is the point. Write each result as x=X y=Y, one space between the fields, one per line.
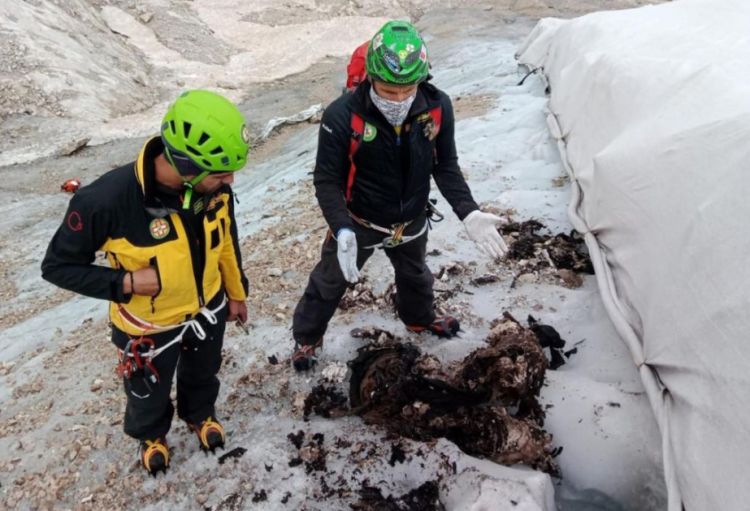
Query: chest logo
x=159 y=228
x=429 y=128
x=370 y=132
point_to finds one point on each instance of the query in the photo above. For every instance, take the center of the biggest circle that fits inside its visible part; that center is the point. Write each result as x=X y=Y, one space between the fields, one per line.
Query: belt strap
x=375 y=227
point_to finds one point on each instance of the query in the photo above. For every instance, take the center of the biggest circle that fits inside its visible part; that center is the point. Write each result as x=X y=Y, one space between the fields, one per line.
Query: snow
x=599 y=413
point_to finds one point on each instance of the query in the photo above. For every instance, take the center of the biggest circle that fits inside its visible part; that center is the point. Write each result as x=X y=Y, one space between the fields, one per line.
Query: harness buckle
x=137 y=369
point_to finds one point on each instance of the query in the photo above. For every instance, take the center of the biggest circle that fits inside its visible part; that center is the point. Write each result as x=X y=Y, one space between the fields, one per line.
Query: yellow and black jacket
x=125 y=215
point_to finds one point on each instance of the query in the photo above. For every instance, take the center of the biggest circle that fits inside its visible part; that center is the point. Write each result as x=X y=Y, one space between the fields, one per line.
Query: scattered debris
x=260 y=496
x=570 y=278
x=362 y=297
x=326 y=401
x=334 y=372
x=311 y=451
x=487 y=278
x=560 y=257
x=424 y=498
x=235 y=453
x=296 y=438
x=375 y=334
x=231 y=502
x=451 y=270
x=549 y=338
x=398 y=455
x=311 y=114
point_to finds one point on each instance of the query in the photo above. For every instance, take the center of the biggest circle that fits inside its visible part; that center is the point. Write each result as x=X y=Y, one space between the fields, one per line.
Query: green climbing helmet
x=208 y=129
x=204 y=132
x=397 y=54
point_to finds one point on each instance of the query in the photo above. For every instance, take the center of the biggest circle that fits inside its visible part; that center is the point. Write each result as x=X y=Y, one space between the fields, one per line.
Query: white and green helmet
x=397 y=54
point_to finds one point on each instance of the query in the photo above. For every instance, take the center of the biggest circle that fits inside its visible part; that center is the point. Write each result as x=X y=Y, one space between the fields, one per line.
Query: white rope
x=193 y=323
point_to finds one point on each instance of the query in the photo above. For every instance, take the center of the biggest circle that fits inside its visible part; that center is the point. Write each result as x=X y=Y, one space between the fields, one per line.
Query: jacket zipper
x=194 y=246
x=155 y=263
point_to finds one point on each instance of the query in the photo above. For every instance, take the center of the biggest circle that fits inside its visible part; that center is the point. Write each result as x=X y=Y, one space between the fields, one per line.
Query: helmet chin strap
x=188 y=184
x=189 y=188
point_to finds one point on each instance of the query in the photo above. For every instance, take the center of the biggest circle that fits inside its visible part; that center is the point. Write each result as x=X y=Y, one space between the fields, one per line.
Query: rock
x=570 y=278
x=100 y=442
x=146 y=17
x=97 y=385
x=299 y=402
x=74 y=146
x=275 y=272
x=527 y=278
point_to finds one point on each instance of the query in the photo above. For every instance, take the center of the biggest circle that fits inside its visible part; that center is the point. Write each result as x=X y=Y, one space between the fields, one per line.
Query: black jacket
x=123 y=214
x=392 y=183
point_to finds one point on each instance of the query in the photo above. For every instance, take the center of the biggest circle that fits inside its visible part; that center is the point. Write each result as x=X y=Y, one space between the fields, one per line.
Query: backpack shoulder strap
x=358 y=128
x=437 y=117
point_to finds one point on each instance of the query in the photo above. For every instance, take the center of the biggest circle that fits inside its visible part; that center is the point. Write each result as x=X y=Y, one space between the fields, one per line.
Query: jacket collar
x=145 y=169
x=145 y=174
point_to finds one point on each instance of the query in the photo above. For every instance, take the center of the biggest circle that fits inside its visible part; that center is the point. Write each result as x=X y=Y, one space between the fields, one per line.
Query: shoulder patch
x=370 y=132
x=327 y=128
x=74 y=221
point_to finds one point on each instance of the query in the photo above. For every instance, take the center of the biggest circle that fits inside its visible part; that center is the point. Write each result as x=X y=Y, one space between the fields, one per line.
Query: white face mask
x=395 y=112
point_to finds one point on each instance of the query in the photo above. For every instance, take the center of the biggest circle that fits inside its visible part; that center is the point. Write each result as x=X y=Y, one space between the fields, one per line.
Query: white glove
x=482 y=229
x=347 y=254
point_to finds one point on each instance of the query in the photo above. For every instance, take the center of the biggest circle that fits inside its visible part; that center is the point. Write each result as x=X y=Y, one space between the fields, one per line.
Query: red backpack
x=355 y=71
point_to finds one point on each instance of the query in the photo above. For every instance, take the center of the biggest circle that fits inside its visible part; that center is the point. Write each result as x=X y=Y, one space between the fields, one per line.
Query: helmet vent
x=207 y=163
x=204 y=138
x=225 y=160
x=171 y=125
x=193 y=150
x=186 y=128
x=217 y=150
x=399 y=28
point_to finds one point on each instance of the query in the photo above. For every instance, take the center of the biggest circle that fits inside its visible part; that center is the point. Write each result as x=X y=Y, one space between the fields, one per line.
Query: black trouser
x=327 y=284
x=197 y=363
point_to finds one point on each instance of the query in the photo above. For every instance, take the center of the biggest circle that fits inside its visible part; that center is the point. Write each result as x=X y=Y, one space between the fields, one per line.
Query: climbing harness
x=395 y=232
x=136 y=359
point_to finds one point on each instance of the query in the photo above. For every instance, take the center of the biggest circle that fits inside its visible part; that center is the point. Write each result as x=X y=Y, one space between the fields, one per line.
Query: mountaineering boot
x=304 y=356
x=154 y=456
x=443 y=326
x=210 y=434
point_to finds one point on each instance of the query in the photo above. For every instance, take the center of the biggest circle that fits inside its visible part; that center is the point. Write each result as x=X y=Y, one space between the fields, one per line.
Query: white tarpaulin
x=651 y=108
